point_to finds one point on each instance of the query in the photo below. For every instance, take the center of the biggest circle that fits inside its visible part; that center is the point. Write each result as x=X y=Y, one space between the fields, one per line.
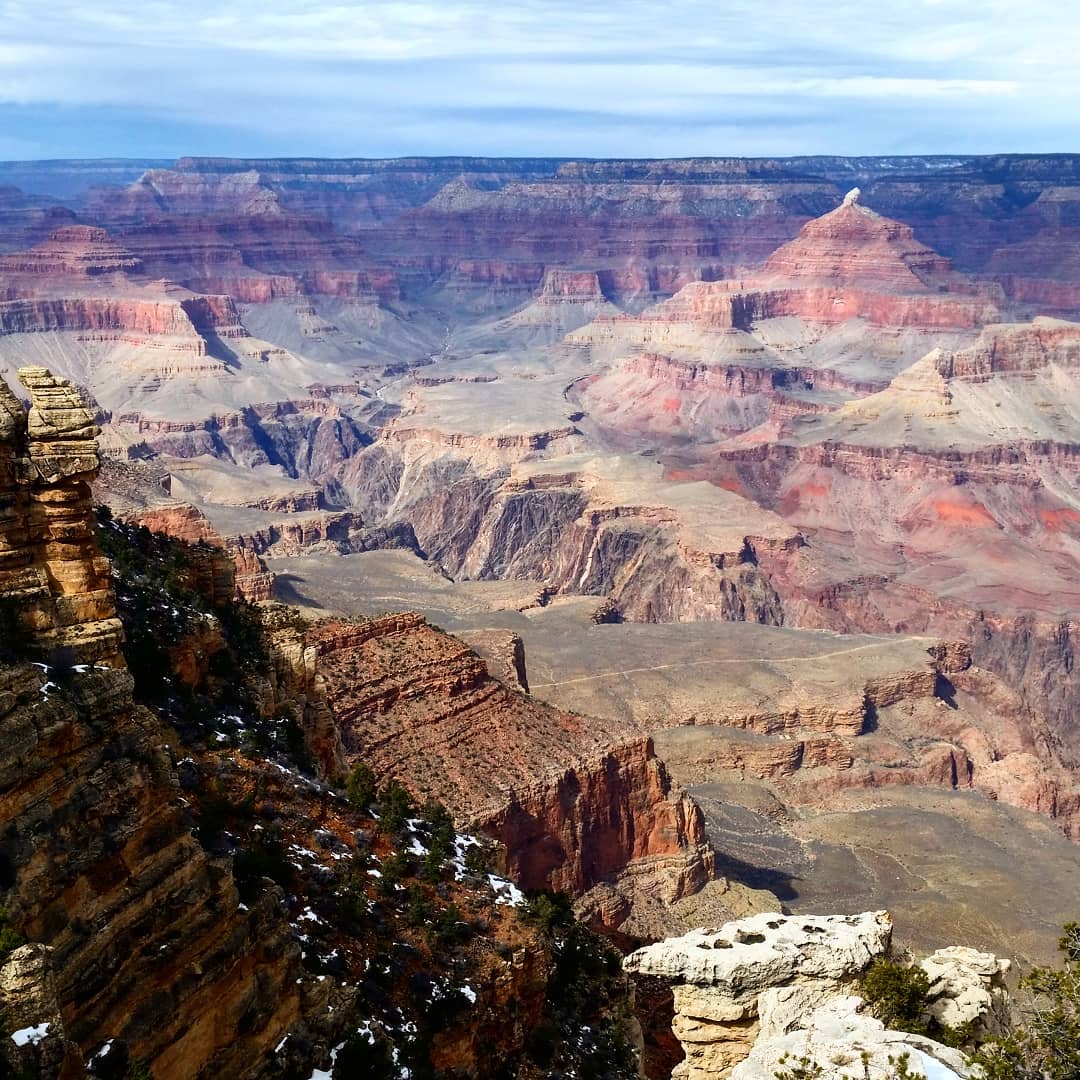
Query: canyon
x=704 y=534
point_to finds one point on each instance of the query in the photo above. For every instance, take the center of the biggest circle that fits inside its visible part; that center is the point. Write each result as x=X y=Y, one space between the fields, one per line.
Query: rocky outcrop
x=103 y=316
x=597 y=817
x=572 y=801
x=855 y=244
x=159 y=955
x=968 y=991
x=755 y=978
x=774 y=988
x=843 y=1039
x=605 y=526
x=50 y=566
x=308 y=438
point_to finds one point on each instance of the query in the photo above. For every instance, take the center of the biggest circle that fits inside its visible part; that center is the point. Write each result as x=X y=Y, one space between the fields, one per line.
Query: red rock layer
x=78 y=251
x=853 y=245
x=572 y=800
x=253 y=581
x=595 y=819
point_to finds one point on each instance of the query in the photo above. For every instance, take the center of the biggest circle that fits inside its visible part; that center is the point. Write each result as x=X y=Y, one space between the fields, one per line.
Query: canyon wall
x=149 y=942
x=572 y=801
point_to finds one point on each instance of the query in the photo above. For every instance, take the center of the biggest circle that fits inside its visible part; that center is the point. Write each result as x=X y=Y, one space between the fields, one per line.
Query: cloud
x=564 y=77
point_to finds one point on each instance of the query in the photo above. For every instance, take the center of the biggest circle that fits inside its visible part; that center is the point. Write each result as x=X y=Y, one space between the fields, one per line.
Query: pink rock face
x=100 y=315
x=72 y=251
x=570 y=286
x=164 y=317
x=853 y=245
x=249 y=288
x=1049 y=297
x=769 y=341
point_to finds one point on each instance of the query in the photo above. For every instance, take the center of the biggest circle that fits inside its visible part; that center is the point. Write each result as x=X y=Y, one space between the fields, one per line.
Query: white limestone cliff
x=757 y=995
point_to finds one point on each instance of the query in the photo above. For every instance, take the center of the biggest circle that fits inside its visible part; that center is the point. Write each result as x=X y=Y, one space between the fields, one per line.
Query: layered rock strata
x=148 y=942
x=572 y=801
x=51 y=568
x=37 y=1044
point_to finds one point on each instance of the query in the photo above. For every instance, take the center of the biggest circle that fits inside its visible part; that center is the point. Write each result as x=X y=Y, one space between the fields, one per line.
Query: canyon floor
x=948 y=864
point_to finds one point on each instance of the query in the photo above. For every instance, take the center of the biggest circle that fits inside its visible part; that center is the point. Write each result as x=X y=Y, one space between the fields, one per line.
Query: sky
x=573 y=78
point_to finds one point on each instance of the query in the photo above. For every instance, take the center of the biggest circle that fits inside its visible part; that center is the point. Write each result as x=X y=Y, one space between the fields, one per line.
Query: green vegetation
x=899 y=995
x=360 y=787
x=395 y=808
x=477 y=859
x=10 y=938
x=351 y=899
x=439 y=834
x=1046 y=1045
x=586 y=1023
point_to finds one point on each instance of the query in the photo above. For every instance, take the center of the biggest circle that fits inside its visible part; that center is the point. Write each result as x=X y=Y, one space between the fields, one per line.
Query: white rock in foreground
x=757 y=977
x=757 y=996
x=836 y=1037
x=968 y=987
x=749 y=955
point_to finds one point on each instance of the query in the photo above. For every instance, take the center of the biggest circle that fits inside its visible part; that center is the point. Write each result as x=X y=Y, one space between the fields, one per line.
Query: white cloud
x=352 y=77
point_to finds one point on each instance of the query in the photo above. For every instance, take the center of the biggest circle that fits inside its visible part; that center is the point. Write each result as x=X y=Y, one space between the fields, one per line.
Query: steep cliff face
x=149 y=944
x=572 y=801
x=608 y=526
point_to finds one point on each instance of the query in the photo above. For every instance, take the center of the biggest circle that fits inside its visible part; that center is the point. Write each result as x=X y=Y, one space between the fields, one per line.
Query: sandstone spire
x=50 y=563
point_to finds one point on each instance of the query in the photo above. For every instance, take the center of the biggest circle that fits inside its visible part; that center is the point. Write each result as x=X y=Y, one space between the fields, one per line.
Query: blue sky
x=562 y=77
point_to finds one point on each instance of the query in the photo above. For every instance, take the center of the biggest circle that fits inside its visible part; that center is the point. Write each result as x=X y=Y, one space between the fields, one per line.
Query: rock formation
x=72 y=251
x=102 y=868
x=51 y=567
x=36 y=1043
x=790 y=407
x=967 y=989
x=771 y=989
x=571 y=801
x=841 y=1038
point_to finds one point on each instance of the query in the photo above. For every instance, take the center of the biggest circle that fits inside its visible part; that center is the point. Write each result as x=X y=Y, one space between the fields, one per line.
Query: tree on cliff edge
x=1047 y=1045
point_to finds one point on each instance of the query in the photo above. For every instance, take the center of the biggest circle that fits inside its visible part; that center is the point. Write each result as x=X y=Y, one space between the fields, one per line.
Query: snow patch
x=31 y=1035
